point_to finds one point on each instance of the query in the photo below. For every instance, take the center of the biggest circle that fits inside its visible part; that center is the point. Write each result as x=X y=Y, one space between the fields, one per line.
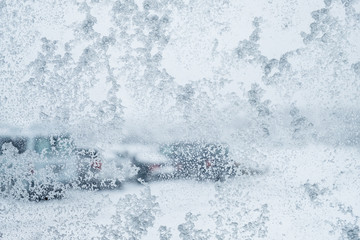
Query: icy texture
x=132 y=218
x=277 y=81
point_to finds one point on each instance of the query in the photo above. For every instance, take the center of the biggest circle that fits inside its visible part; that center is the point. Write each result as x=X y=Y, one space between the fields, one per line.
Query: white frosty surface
x=143 y=153
x=273 y=79
x=278 y=204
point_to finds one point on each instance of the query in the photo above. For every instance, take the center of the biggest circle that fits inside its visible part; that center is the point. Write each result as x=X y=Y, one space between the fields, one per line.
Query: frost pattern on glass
x=159 y=119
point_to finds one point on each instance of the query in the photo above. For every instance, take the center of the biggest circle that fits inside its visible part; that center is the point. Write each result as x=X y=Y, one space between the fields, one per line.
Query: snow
x=145 y=153
x=308 y=192
x=276 y=81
